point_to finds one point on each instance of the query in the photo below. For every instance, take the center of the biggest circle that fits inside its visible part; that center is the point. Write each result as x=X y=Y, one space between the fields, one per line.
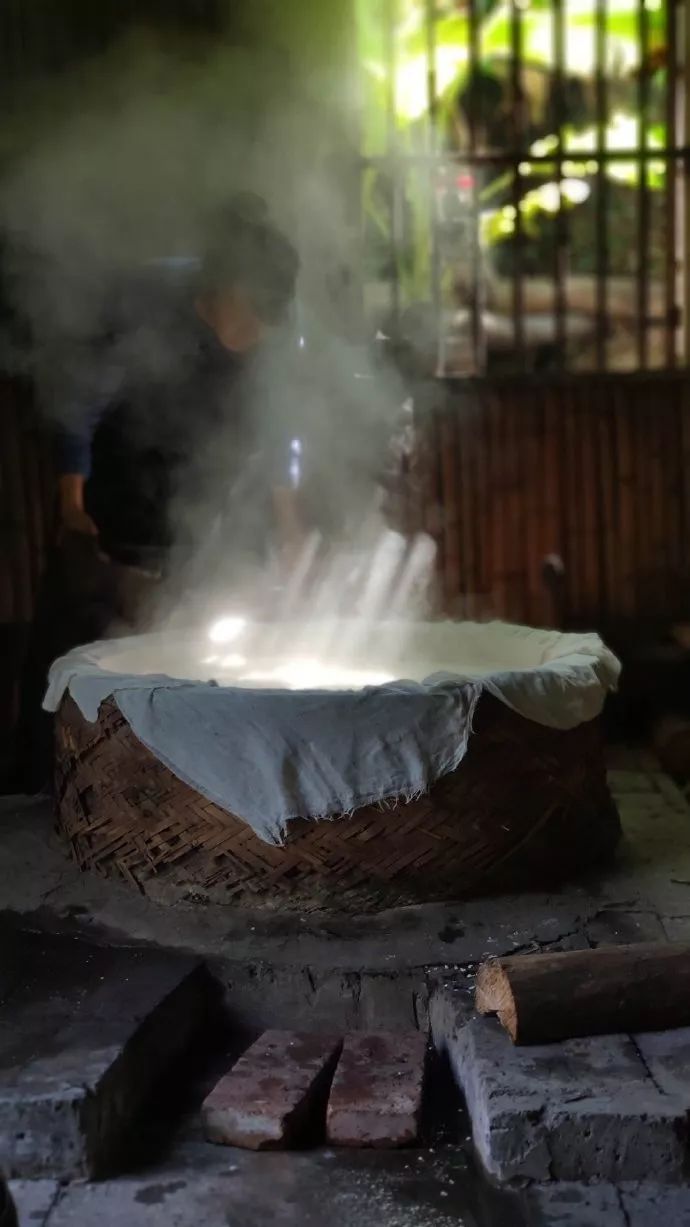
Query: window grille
x=523 y=171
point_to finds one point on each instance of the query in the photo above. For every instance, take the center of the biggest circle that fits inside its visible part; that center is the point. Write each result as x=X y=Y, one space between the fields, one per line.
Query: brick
x=376 y=1098
x=275 y=1096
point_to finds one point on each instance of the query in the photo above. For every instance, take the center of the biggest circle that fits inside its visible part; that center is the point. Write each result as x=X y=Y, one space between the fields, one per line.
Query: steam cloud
x=128 y=165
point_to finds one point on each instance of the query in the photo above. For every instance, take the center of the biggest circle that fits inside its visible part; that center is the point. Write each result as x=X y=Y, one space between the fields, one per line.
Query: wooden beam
x=542 y=998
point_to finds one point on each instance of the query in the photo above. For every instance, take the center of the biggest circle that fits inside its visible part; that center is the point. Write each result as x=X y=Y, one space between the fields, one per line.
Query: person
x=172 y=374
x=158 y=415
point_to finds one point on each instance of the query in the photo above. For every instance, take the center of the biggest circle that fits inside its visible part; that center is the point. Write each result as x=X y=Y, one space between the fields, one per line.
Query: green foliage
x=398 y=109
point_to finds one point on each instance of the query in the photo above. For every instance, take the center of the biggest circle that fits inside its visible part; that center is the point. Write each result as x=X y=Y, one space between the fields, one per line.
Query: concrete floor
x=205 y=1186
x=371 y=971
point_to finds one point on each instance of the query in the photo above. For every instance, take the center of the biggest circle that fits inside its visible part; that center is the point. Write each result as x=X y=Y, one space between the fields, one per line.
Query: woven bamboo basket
x=527 y=807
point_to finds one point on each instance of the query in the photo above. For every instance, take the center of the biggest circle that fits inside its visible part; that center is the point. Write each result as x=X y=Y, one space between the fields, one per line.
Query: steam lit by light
x=295 y=462
x=387 y=580
x=314 y=675
x=225 y=630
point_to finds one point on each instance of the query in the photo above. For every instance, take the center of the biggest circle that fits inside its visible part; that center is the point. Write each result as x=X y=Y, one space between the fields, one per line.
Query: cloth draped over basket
x=272 y=755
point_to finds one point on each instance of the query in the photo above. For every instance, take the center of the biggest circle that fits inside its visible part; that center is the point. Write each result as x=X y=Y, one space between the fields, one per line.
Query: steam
x=137 y=155
x=128 y=162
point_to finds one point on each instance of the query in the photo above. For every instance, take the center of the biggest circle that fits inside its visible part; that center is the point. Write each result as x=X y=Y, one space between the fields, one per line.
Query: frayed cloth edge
x=385 y=800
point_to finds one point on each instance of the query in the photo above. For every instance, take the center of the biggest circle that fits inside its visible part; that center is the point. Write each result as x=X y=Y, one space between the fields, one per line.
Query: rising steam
x=136 y=156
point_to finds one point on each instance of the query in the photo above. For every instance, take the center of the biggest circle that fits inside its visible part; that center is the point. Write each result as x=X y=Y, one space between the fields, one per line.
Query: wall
x=26 y=501
x=594 y=470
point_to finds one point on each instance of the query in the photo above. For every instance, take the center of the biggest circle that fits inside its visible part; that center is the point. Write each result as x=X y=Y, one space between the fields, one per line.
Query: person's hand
x=76 y=520
x=73 y=518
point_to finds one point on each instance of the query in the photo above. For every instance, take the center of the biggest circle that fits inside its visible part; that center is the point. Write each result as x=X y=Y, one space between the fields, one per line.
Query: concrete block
x=618 y=1137
x=85 y=1033
x=33 y=1200
x=587 y=1109
x=275 y=1095
x=376 y=1098
x=666 y=1055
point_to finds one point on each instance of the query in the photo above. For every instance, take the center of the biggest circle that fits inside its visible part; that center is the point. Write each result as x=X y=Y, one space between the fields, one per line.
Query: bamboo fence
x=519 y=478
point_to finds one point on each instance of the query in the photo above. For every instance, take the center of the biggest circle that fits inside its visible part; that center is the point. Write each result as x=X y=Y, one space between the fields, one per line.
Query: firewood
x=542 y=998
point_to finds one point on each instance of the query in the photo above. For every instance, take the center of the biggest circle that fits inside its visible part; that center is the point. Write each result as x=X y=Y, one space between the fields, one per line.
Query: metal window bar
x=561 y=231
x=672 y=184
x=601 y=200
x=477 y=156
x=393 y=163
x=432 y=180
x=517 y=108
x=476 y=273
x=643 y=196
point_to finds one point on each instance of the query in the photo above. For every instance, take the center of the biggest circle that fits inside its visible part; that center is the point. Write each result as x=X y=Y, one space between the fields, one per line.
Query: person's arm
x=73 y=456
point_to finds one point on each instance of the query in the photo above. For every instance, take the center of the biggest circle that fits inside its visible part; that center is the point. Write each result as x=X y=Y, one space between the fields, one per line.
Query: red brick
x=376 y=1097
x=275 y=1096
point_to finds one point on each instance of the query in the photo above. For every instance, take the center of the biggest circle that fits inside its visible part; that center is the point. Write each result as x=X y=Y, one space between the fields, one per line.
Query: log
x=542 y=998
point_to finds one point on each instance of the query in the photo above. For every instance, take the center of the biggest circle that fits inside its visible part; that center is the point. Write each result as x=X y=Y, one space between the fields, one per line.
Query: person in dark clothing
x=165 y=388
x=160 y=415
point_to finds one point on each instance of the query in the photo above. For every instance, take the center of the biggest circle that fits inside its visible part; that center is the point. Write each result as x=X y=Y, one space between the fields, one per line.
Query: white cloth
x=269 y=755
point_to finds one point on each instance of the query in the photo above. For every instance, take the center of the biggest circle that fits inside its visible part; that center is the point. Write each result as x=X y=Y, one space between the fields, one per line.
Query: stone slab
x=376 y=1098
x=586 y=1109
x=34 y=1200
x=275 y=1096
x=84 y=1033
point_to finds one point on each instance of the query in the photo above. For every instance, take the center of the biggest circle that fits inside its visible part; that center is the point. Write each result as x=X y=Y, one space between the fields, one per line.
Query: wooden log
x=542 y=998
